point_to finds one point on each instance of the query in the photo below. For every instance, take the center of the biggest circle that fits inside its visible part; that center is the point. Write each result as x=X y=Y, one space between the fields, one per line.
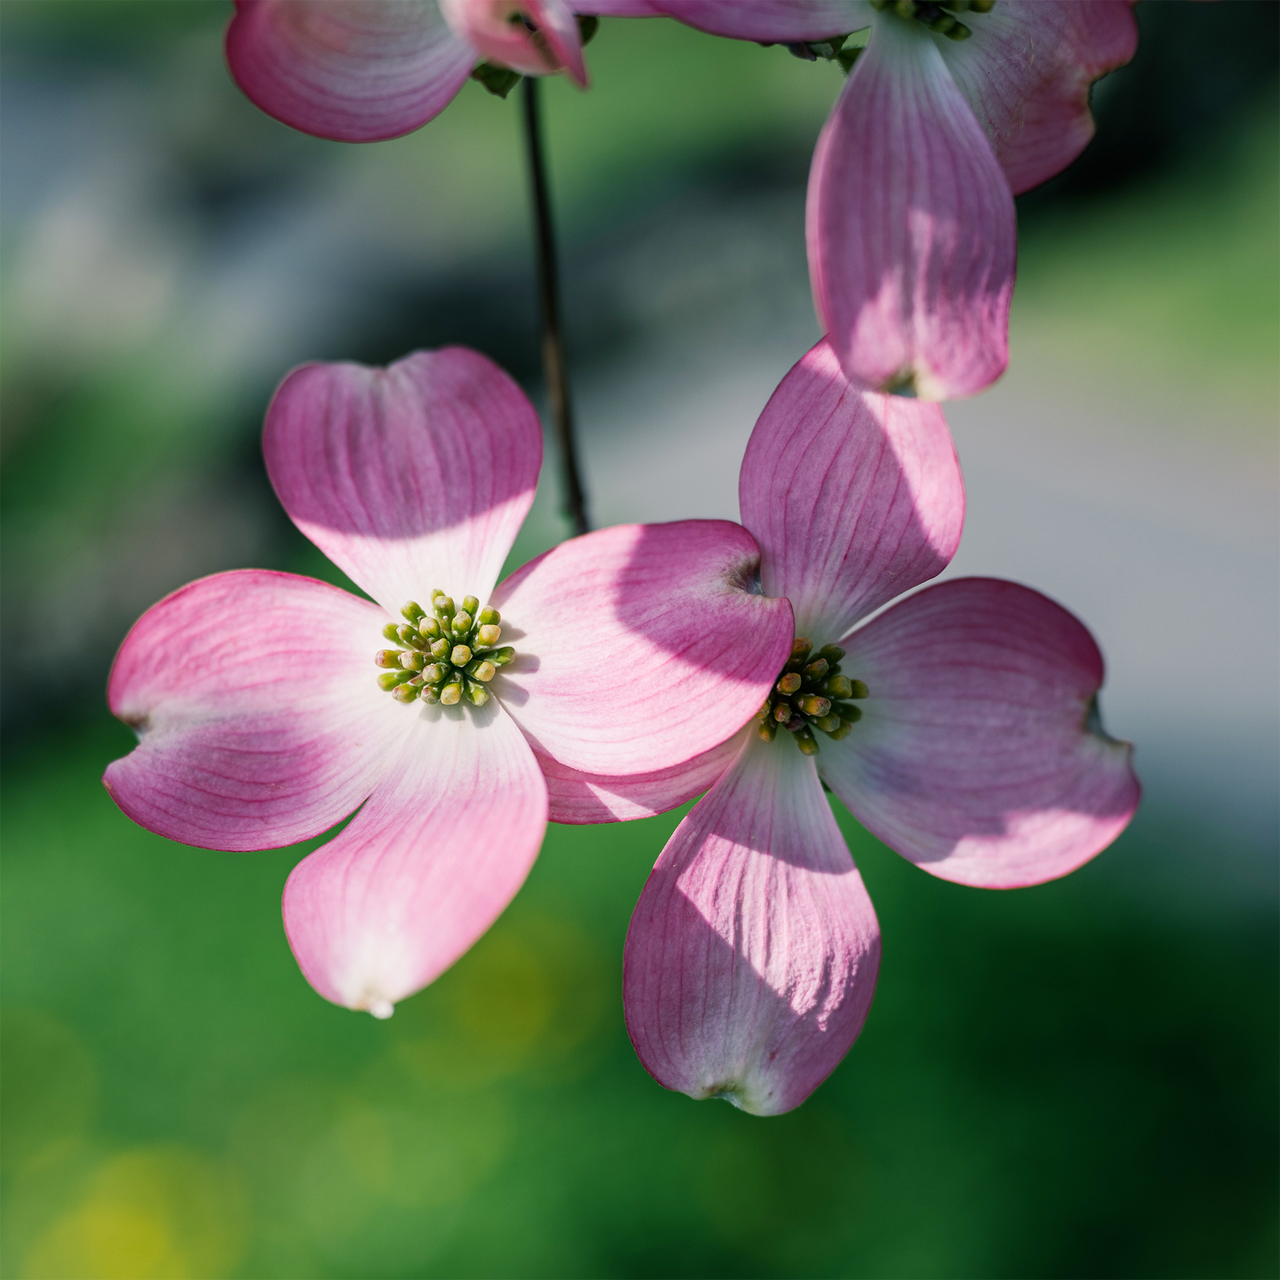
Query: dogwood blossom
x=960 y=726
x=951 y=110
x=364 y=70
x=270 y=706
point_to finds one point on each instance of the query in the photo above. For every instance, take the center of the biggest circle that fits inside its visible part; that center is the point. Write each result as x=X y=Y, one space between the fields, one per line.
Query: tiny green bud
x=838 y=687
x=981 y=6
x=413 y=661
x=905 y=8
x=477 y=694
x=430 y=695
x=812 y=705
x=800 y=649
x=429 y=629
x=500 y=657
x=444 y=607
x=815 y=670
x=435 y=673
x=958 y=32
x=489 y=634
x=413 y=611
x=481 y=669
x=409 y=635
x=789 y=683
x=841 y=731
x=388 y=658
x=832 y=652
x=436 y=593
x=860 y=690
x=807 y=742
x=470 y=604
x=850 y=715
x=389 y=631
x=782 y=712
x=767 y=729
x=440 y=649
x=490 y=617
x=461 y=623
x=451 y=693
x=389 y=679
x=828 y=723
x=460 y=656
x=405 y=693
x=943 y=24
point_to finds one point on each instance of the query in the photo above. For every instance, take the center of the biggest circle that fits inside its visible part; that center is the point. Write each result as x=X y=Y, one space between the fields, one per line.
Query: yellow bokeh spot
x=159 y=1213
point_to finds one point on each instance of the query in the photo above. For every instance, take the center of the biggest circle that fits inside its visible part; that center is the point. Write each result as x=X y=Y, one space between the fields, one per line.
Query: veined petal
x=640 y=646
x=493 y=28
x=979 y=755
x=410 y=477
x=426 y=866
x=910 y=225
x=584 y=797
x=853 y=496
x=350 y=70
x=1026 y=73
x=258 y=714
x=774 y=21
x=752 y=955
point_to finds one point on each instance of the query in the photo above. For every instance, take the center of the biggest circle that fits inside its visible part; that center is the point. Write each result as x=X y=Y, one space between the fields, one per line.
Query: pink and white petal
x=979 y=755
x=255 y=701
x=427 y=865
x=408 y=478
x=752 y=955
x=350 y=70
x=773 y=21
x=557 y=23
x=910 y=225
x=1026 y=73
x=493 y=28
x=641 y=646
x=853 y=496
x=578 y=797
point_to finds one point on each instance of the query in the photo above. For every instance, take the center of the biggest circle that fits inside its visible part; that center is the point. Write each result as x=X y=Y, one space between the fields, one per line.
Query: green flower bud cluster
x=937 y=15
x=811 y=693
x=444 y=656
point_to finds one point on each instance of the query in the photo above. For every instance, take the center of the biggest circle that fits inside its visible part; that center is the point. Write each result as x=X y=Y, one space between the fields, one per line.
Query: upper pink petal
x=781 y=21
x=578 y=797
x=641 y=646
x=853 y=496
x=258 y=714
x=1026 y=73
x=979 y=754
x=351 y=70
x=495 y=30
x=426 y=866
x=410 y=477
x=752 y=954
x=910 y=225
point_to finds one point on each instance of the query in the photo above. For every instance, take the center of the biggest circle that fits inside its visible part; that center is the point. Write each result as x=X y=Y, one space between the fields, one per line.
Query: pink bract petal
x=426 y=866
x=351 y=70
x=259 y=718
x=979 y=756
x=781 y=21
x=910 y=225
x=408 y=478
x=495 y=30
x=1026 y=73
x=853 y=496
x=641 y=646
x=752 y=954
x=584 y=797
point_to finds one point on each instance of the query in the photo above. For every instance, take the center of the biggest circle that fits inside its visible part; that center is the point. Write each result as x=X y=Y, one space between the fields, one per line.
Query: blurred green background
x=1073 y=1080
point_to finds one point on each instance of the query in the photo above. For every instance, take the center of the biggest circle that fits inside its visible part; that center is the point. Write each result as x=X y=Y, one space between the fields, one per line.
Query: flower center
x=939 y=17
x=811 y=694
x=444 y=656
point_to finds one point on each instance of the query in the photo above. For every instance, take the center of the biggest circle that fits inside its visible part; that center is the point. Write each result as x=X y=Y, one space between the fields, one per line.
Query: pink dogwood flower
x=910 y=218
x=365 y=70
x=959 y=726
x=270 y=706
